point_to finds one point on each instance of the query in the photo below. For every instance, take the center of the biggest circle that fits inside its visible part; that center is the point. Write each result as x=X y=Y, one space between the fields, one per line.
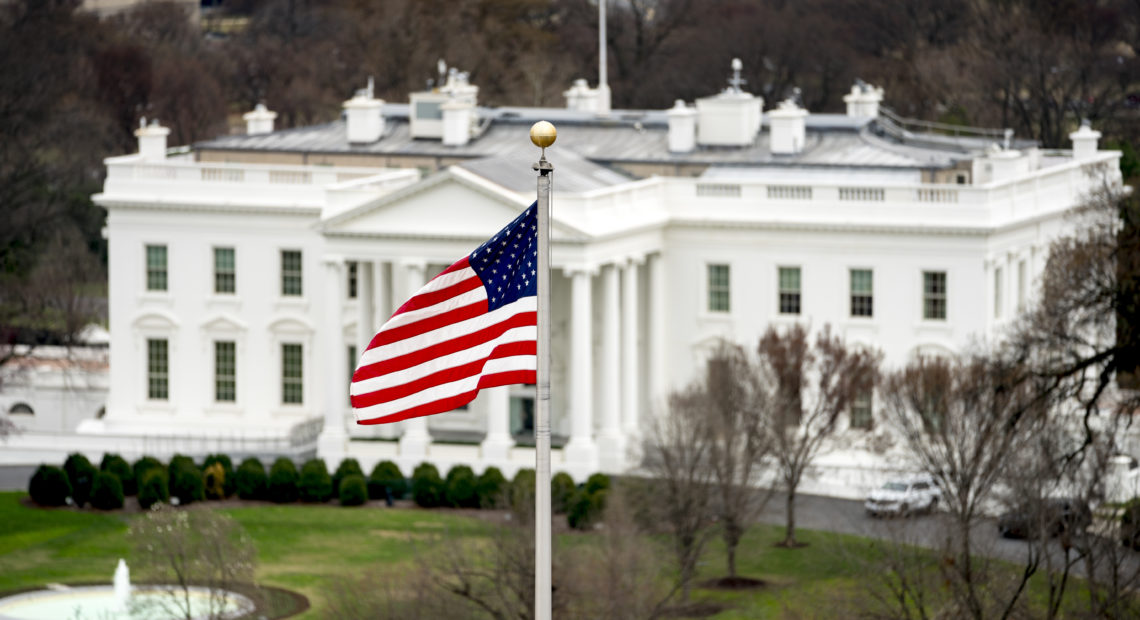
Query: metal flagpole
x=543 y=134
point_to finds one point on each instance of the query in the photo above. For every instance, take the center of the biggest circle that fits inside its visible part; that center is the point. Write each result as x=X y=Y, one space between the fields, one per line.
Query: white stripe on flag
x=447 y=390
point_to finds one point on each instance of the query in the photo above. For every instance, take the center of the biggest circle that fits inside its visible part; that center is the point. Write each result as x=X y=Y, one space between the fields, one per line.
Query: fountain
x=117 y=602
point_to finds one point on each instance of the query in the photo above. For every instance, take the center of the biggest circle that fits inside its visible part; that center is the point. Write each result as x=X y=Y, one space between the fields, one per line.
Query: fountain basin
x=101 y=603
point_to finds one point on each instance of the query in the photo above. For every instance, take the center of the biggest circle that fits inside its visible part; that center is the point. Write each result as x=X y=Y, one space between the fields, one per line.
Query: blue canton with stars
x=508 y=262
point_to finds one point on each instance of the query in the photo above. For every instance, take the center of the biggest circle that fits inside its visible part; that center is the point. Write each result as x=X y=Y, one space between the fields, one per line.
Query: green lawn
x=304 y=548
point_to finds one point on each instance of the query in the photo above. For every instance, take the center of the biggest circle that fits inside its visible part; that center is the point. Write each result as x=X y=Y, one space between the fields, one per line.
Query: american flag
x=471 y=327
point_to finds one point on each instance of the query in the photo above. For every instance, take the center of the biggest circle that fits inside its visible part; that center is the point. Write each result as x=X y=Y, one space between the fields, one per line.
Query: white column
x=631 y=397
x=380 y=299
x=580 y=452
x=331 y=445
x=657 y=336
x=498 y=442
x=365 y=316
x=611 y=442
x=415 y=441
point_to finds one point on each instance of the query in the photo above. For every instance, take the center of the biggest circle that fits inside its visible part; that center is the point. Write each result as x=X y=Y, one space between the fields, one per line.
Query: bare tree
x=676 y=455
x=188 y=549
x=810 y=386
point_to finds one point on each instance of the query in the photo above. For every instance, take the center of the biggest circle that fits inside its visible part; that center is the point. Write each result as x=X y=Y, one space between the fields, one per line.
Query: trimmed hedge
x=81 y=475
x=283 y=481
x=521 y=491
x=152 y=488
x=230 y=482
x=597 y=482
x=387 y=475
x=347 y=467
x=120 y=467
x=49 y=486
x=214 y=481
x=427 y=487
x=250 y=480
x=186 y=484
x=145 y=464
x=588 y=503
x=562 y=488
x=489 y=488
x=460 y=489
x=106 y=491
x=315 y=485
x=181 y=460
x=353 y=490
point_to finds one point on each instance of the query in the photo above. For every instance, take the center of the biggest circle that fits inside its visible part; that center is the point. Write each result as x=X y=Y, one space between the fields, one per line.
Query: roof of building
x=624 y=136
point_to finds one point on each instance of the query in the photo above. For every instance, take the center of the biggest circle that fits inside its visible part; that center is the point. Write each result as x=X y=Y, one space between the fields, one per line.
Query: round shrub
x=489 y=488
x=181 y=460
x=315 y=484
x=120 y=467
x=460 y=488
x=353 y=490
x=562 y=488
x=427 y=486
x=106 y=491
x=347 y=467
x=597 y=482
x=387 y=475
x=187 y=485
x=49 y=486
x=152 y=488
x=230 y=483
x=144 y=465
x=522 y=491
x=214 y=481
x=250 y=479
x=283 y=481
x=585 y=508
x=81 y=475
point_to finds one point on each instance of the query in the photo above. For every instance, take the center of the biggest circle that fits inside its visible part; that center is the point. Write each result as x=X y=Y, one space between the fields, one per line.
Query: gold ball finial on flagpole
x=543 y=134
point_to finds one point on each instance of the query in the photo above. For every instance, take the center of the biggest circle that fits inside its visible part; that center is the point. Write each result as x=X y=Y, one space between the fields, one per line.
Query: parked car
x=1058 y=515
x=903 y=497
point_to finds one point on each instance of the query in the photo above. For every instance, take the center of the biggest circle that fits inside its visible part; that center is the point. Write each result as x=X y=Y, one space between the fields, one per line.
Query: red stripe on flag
x=415 y=303
x=435 y=321
x=453 y=402
x=446 y=375
x=431 y=298
x=461 y=343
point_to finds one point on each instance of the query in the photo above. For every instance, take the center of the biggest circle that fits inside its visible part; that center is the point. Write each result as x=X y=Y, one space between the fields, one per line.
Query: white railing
x=862 y=194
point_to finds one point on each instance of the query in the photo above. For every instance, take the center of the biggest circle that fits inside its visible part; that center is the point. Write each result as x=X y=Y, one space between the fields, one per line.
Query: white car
x=903 y=497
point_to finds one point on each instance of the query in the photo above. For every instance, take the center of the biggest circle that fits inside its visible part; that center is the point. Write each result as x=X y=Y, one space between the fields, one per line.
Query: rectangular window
x=351 y=366
x=225 y=372
x=352 y=280
x=997 y=292
x=292 y=375
x=861 y=411
x=157 y=369
x=291 y=273
x=1022 y=283
x=719 y=300
x=789 y=290
x=862 y=293
x=934 y=295
x=225 y=278
x=156 y=267
x=522 y=415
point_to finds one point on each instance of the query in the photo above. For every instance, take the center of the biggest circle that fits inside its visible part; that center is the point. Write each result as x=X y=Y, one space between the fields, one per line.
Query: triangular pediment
x=453 y=203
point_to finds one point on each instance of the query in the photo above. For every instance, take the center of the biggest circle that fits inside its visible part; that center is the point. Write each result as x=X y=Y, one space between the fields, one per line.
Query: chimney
x=1084 y=141
x=259 y=120
x=786 y=126
x=682 y=128
x=152 y=140
x=456 y=122
x=363 y=121
x=732 y=117
x=580 y=97
x=864 y=100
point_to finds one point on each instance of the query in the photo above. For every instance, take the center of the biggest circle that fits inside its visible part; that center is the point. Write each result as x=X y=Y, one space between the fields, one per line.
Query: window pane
x=861 y=411
x=225 y=369
x=719 y=300
x=291 y=273
x=157 y=369
x=352 y=280
x=934 y=295
x=156 y=267
x=224 y=278
x=789 y=290
x=862 y=293
x=292 y=376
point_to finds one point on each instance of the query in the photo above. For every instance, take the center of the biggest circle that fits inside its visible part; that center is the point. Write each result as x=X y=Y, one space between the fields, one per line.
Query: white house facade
x=246 y=272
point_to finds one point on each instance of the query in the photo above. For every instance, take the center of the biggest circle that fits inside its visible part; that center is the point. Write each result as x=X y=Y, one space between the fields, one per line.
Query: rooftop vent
x=364 y=121
x=682 y=127
x=864 y=100
x=787 y=127
x=732 y=117
x=426 y=114
x=1084 y=141
x=152 y=140
x=259 y=120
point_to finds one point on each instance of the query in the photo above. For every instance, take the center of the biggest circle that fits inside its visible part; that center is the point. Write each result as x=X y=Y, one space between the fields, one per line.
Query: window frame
x=781 y=291
x=224 y=381
x=857 y=299
x=714 y=289
x=156 y=278
x=292 y=383
x=222 y=273
x=291 y=274
x=157 y=374
x=858 y=418
x=934 y=300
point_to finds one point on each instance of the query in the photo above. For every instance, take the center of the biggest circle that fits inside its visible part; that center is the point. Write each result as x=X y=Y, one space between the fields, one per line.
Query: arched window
x=21 y=408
